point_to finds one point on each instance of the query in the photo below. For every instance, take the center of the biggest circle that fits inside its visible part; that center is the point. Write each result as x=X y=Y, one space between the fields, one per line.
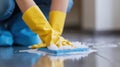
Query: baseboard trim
x=112 y=32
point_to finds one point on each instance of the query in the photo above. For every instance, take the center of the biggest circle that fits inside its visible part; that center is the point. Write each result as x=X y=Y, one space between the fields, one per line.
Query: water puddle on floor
x=101 y=45
x=92 y=49
x=73 y=55
x=64 y=57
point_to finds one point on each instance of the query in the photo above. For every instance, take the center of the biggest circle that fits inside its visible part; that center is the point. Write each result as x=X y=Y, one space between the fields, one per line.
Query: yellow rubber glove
x=37 y=22
x=57 y=20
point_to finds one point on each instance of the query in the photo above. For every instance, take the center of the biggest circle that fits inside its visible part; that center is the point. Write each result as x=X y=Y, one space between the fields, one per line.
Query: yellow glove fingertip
x=34 y=46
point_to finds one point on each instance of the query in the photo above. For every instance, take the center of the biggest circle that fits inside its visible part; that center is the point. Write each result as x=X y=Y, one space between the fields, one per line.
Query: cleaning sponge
x=78 y=48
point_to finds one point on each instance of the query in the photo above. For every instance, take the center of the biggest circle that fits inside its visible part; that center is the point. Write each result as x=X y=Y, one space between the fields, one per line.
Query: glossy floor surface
x=107 y=55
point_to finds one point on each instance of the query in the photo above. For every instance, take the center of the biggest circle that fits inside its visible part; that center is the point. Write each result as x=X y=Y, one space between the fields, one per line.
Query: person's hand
x=61 y=42
x=37 y=22
x=57 y=21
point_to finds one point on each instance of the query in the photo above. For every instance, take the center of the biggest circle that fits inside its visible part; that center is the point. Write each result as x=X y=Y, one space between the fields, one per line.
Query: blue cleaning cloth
x=64 y=52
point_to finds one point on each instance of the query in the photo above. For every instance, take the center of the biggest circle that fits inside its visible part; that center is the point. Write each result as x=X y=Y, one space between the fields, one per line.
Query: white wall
x=101 y=15
x=116 y=14
x=88 y=14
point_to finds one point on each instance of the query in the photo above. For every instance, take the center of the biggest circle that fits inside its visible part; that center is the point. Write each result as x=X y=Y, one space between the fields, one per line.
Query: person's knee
x=6 y=38
x=23 y=36
x=6 y=8
x=70 y=4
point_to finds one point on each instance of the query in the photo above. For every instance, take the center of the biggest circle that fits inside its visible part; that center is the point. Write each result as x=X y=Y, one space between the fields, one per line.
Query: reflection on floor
x=107 y=55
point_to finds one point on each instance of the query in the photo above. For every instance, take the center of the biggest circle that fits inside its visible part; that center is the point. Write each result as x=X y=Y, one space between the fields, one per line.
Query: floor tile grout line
x=112 y=62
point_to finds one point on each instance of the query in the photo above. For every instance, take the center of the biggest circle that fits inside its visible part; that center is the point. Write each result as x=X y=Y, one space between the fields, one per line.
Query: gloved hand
x=37 y=22
x=57 y=20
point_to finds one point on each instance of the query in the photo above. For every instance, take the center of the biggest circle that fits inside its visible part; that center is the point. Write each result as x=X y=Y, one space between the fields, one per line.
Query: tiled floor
x=104 y=57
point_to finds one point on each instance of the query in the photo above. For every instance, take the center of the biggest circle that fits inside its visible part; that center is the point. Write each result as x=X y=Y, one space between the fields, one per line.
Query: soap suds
x=36 y=51
x=101 y=44
x=54 y=47
x=75 y=45
x=72 y=56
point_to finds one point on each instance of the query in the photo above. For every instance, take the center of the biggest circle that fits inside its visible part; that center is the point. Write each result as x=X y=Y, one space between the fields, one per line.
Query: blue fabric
x=70 y=5
x=64 y=52
x=6 y=8
x=6 y=38
x=22 y=34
